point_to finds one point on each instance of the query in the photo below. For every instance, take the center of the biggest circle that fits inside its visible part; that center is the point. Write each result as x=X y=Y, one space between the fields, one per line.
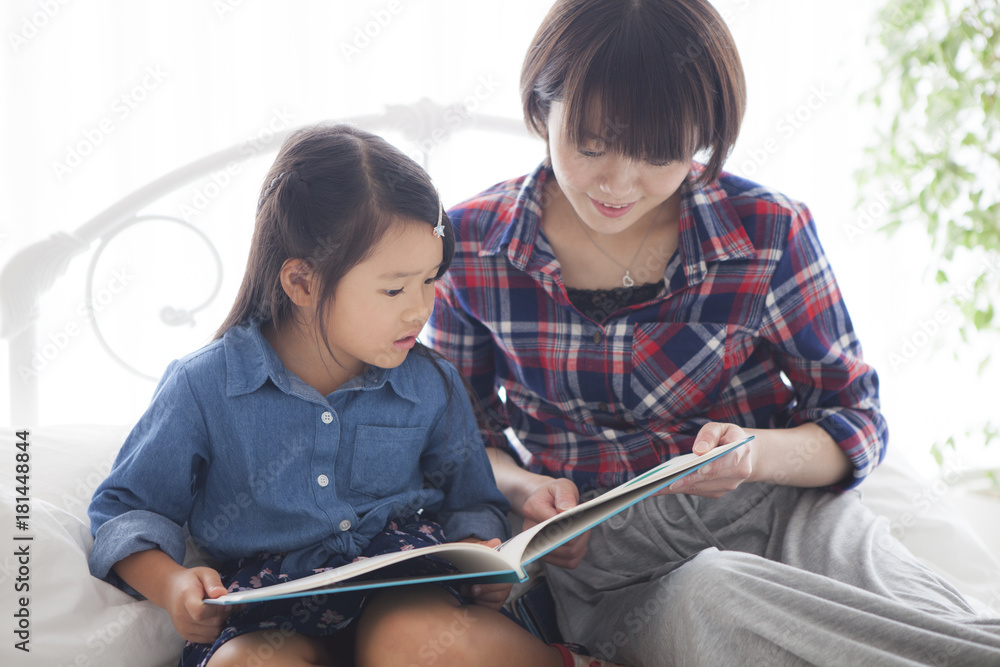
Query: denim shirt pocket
x=677 y=369
x=387 y=459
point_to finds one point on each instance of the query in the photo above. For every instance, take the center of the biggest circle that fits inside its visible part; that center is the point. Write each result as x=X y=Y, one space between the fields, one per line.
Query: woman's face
x=609 y=192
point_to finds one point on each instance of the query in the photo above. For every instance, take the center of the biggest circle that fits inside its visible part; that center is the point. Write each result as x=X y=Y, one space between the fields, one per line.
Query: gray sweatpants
x=767 y=575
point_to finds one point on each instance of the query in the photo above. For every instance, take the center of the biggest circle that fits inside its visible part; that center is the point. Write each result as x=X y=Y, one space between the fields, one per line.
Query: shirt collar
x=250 y=361
x=710 y=228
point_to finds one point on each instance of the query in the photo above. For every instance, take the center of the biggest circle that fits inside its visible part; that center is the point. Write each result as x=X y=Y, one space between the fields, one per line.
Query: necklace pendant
x=627 y=279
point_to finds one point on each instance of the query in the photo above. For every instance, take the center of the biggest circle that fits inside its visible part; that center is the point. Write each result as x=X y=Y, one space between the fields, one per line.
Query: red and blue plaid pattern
x=749 y=328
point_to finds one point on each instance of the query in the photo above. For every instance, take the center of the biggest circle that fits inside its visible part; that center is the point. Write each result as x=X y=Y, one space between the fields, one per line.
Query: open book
x=504 y=563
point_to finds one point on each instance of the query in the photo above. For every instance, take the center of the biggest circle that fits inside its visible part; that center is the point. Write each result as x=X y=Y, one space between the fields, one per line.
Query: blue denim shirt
x=253 y=460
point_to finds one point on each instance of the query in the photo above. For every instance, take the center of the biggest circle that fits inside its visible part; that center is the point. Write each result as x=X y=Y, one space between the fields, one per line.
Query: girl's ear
x=298 y=282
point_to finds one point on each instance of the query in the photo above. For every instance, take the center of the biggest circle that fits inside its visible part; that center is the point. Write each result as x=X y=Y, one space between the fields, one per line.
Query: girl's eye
x=430 y=281
x=660 y=163
x=588 y=153
x=393 y=292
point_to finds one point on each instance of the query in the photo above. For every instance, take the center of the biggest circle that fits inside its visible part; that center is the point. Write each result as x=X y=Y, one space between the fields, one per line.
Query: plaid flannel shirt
x=749 y=328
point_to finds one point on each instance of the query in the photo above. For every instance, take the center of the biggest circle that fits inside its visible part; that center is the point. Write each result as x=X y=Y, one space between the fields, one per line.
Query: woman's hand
x=194 y=620
x=536 y=498
x=717 y=478
x=548 y=499
x=803 y=455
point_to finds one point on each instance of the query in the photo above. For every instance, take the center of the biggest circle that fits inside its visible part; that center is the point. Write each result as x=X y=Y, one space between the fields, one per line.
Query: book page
x=470 y=558
x=538 y=540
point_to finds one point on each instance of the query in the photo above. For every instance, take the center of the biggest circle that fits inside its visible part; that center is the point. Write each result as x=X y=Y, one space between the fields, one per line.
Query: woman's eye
x=393 y=292
x=587 y=153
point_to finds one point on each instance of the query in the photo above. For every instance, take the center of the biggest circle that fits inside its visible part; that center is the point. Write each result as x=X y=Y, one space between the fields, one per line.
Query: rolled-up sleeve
x=817 y=349
x=147 y=497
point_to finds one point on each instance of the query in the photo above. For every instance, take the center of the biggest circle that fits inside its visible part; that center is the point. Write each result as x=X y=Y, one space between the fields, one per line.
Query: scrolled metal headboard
x=34 y=270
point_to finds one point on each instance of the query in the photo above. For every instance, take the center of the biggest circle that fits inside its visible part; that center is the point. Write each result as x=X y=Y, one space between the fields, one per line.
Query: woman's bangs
x=632 y=111
x=633 y=118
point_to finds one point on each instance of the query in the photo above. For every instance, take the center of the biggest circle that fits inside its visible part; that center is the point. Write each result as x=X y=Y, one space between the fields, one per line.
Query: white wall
x=144 y=87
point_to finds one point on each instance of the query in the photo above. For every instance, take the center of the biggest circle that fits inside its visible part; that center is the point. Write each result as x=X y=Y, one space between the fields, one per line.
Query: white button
x=323 y=480
x=327 y=417
x=345 y=525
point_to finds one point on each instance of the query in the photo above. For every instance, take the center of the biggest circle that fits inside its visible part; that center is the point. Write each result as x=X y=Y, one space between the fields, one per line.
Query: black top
x=597 y=304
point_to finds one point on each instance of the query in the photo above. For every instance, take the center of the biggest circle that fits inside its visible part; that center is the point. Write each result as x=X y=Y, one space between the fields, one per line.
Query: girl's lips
x=611 y=211
x=405 y=343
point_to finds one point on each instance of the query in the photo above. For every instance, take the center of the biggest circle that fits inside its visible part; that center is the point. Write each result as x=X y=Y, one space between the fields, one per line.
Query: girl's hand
x=549 y=498
x=491 y=595
x=194 y=620
x=488 y=595
x=719 y=477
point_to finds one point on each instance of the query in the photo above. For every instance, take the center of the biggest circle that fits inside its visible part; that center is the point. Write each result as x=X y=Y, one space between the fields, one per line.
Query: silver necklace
x=627 y=279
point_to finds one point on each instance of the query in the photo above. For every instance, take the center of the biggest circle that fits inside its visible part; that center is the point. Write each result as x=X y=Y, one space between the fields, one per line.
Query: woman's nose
x=618 y=178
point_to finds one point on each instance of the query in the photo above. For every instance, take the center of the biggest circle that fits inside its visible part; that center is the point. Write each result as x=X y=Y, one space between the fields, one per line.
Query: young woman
x=634 y=304
x=314 y=431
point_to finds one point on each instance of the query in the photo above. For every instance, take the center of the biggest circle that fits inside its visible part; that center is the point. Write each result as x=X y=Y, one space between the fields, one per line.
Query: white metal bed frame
x=34 y=270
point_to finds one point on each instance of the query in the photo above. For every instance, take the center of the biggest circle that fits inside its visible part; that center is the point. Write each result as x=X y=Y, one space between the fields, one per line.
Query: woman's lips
x=611 y=210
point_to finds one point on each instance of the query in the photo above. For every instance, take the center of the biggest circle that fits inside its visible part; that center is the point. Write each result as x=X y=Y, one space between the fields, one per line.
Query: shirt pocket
x=387 y=460
x=677 y=369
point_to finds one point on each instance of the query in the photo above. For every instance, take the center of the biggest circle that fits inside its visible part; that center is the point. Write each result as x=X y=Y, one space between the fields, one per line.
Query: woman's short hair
x=656 y=80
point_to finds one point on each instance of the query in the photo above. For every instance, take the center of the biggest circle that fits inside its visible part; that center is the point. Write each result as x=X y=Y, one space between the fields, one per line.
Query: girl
x=313 y=431
x=635 y=304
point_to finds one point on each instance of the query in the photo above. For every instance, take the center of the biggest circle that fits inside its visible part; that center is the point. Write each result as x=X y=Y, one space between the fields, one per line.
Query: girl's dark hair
x=655 y=80
x=331 y=195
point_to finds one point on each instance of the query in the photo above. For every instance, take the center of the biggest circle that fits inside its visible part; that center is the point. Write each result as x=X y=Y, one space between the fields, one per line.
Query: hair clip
x=439 y=230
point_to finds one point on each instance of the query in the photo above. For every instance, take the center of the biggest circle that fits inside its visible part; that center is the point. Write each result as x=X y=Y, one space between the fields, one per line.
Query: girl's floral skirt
x=322 y=615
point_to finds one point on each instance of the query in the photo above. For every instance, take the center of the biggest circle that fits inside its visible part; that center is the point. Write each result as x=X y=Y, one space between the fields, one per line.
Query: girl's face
x=609 y=192
x=382 y=303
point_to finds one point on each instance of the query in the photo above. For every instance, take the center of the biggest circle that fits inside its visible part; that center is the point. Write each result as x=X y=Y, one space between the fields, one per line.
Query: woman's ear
x=297 y=279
